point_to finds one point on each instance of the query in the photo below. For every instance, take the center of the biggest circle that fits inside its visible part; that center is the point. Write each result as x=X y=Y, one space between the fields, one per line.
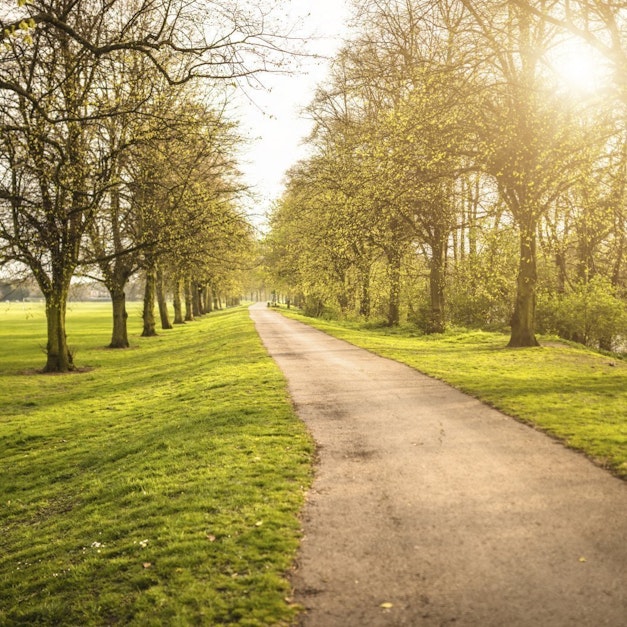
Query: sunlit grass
x=161 y=486
x=573 y=393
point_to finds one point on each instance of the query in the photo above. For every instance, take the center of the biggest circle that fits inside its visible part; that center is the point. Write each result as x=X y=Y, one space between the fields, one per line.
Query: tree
x=440 y=137
x=184 y=190
x=385 y=126
x=56 y=168
x=52 y=167
x=115 y=242
x=524 y=137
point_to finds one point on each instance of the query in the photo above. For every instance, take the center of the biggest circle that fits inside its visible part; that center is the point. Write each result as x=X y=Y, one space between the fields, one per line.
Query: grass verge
x=575 y=394
x=161 y=487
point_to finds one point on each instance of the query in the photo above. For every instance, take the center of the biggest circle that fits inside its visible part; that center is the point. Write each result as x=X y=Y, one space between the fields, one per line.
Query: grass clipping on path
x=570 y=392
x=161 y=487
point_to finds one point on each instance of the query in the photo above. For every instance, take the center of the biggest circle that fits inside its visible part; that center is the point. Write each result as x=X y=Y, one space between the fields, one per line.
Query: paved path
x=429 y=500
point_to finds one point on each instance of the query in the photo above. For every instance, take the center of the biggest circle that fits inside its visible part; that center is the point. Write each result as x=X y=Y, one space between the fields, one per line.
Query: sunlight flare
x=578 y=67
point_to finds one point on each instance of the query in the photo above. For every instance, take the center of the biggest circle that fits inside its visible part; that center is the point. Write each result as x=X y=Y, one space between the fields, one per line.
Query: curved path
x=432 y=502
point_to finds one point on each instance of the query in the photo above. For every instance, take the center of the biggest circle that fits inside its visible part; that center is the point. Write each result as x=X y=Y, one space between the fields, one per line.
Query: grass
x=161 y=487
x=575 y=394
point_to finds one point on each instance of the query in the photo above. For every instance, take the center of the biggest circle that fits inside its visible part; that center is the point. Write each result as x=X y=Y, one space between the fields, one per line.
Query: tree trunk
x=364 y=302
x=196 y=304
x=343 y=300
x=524 y=317
x=208 y=299
x=161 y=301
x=202 y=300
x=436 y=286
x=394 y=277
x=618 y=263
x=148 y=315
x=560 y=262
x=177 y=302
x=119 y=335
x=585 y=261
x=189 y=304
x=58 y=355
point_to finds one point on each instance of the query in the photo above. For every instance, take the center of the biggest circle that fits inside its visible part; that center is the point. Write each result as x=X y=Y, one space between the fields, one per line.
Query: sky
x=272 y=119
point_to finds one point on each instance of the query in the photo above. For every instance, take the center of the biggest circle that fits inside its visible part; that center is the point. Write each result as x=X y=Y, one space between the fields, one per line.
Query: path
x=426 y=499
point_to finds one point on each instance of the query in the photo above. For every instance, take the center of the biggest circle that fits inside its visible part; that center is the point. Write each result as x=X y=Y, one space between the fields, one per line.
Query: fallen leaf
x=582 y=559
x=211 y=537
x=259 y=523
x=147 y=565
x=387 y=606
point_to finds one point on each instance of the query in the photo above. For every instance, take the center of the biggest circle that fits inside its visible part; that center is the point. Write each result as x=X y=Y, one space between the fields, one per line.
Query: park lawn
x=159 y=486
x=575 y=394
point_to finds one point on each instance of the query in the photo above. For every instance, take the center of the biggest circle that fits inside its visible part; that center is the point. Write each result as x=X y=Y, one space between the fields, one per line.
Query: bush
x=591 y=313
x=313 y=306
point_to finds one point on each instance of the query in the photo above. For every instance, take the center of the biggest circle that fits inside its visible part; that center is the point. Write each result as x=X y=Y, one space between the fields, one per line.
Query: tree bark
x=58 y=356
x=364 y=301
x=150 y=327
x=620 y=253
x=394 y=277
x=436 y=286
x=161 y=301
x=523 y=319
x=177 y=302
x=208 y=299
x=189 y=304
x=343 y=299
x=560 y=263
x=119 y=334
x=196 y=304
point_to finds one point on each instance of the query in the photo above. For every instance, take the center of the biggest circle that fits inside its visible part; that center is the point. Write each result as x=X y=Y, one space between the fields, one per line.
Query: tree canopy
x=116 y=154
x=455 y=177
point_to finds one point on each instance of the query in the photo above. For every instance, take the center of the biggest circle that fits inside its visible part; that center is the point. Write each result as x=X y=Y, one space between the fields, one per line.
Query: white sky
x=273 y=122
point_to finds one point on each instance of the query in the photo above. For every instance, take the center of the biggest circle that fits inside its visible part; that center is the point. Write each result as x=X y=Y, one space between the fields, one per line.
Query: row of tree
x=454 y=178
x=116 y=152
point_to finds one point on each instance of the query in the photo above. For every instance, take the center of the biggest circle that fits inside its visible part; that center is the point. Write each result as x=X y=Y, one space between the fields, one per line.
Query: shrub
x=591 y=313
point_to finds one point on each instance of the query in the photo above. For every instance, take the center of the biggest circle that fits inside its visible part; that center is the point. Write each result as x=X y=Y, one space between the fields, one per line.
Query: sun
x=578 y=67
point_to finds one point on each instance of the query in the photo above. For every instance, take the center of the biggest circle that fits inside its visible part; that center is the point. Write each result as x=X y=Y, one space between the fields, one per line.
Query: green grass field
x=572 y=393
x=162 y=486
